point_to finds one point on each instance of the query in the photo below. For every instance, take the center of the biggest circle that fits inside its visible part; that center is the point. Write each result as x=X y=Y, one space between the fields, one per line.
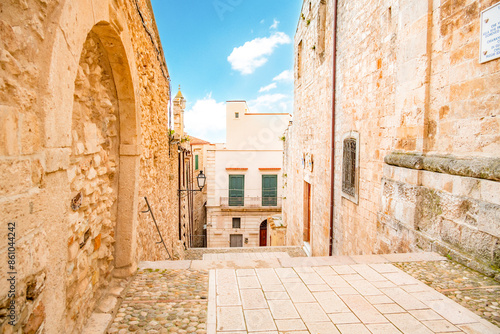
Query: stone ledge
x=481 y=168
x=438 y=250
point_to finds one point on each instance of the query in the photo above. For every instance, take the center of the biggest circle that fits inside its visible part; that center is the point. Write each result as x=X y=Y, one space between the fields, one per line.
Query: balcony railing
x=251 y=202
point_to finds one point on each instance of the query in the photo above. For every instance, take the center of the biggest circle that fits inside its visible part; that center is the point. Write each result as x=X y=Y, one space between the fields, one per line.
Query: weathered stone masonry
x=84 y=135
x=408 y=81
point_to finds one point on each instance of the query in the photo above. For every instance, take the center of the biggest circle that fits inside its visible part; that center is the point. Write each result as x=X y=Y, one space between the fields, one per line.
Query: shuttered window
x=236 y=190
x=269 y=190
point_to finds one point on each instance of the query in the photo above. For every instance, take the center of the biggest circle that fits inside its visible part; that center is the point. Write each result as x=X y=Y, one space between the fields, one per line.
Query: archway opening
x=103 y=170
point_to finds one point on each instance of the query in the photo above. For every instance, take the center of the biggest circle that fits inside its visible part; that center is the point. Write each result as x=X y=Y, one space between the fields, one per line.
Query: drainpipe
x=179 y=187
x=332 y=175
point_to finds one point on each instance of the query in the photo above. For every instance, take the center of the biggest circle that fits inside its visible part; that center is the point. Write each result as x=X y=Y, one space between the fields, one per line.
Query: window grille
x=349 y=167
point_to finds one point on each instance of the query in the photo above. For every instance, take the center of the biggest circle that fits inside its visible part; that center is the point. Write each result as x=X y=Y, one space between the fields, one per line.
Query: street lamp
x=200 y=179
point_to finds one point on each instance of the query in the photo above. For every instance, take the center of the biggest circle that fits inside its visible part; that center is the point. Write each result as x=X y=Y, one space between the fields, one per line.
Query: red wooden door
x=263 y=234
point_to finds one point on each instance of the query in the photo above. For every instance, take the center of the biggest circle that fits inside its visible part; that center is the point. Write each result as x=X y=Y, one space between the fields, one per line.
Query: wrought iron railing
x=157 y=228
x=251 y=202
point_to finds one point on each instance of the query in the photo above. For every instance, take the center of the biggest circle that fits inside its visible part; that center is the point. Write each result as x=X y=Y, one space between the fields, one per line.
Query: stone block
x=36 y=319
x=487 y=218
x=91 y=138
x=57 y=159
x=30 y=133
x=477 y=243
x=107 y=305
x=73 y=251
x=97 y=323
x=16 y=176
x=490 y=191
x=9 y=144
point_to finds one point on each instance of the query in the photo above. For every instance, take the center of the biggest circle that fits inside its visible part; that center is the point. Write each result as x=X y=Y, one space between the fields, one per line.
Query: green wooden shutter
x=269 y=190
x=196 y=162
x=236 y=190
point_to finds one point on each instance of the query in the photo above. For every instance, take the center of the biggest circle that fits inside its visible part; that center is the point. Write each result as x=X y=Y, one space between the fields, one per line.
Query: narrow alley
x=249 y=166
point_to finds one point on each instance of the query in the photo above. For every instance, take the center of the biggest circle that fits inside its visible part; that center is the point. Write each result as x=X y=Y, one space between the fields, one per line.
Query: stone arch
x=71 y=27
x=129 y=149
x=103 y=171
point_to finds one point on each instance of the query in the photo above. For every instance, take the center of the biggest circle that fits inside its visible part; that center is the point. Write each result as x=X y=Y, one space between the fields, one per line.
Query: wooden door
x=263 y=234
x=307 y=212
x=236 y=240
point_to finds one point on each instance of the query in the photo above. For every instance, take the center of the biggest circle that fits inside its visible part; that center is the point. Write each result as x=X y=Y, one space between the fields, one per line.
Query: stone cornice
x=477 y=167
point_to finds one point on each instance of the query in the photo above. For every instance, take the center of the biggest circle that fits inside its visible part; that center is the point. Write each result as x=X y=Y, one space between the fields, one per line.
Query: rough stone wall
x=311 y=129
x=83 y=109
x=451 y=214
x=431 y=209
x=423 y=90
x=94 y=183
x=26 y=181
x=367 y=56
x=464 y=94
x=158 y=161
x=408 y=80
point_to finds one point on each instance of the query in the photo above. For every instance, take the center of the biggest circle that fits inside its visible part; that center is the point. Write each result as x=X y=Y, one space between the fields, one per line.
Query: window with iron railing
x=350 y=162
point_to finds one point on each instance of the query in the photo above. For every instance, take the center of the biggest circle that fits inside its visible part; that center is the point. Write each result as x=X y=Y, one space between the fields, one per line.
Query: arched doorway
x=103 y=170
x=263 y=234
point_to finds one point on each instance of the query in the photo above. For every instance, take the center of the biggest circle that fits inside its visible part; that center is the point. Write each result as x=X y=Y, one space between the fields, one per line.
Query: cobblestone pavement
x=325 y=295
x=164 y=301
x=478 y=293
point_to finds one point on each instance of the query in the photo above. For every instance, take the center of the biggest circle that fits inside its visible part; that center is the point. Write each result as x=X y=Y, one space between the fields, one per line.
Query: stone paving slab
x=376 y=297
x=283 y=260
x=239 y=264
x=461 y=284
x=357 y=294
x=164 y=264
x=239 y=256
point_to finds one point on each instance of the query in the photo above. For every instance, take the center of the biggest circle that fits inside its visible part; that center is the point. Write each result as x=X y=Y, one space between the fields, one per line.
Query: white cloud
x=262 y=21
x=207 y=120
x=275 y=24
x=286 y=75
x=268 y=87
x=271 y=103
x=253 y=54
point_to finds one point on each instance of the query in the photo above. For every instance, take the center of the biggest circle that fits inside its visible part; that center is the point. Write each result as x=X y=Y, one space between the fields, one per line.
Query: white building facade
x=244 y=178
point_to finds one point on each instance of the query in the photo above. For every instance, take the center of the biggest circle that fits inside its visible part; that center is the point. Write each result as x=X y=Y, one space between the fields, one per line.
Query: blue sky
x=220 y=50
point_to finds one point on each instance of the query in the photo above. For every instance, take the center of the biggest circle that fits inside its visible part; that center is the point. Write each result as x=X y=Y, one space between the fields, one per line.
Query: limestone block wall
x=366 y=99
x=408 y=80
x=84 y=136
x=159 y=163
x=452 y=214
x=311 y=128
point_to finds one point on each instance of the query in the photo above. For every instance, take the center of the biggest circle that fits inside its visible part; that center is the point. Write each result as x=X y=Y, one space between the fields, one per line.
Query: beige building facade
x=244 y=178
x=416 y=130
x=84 y=137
